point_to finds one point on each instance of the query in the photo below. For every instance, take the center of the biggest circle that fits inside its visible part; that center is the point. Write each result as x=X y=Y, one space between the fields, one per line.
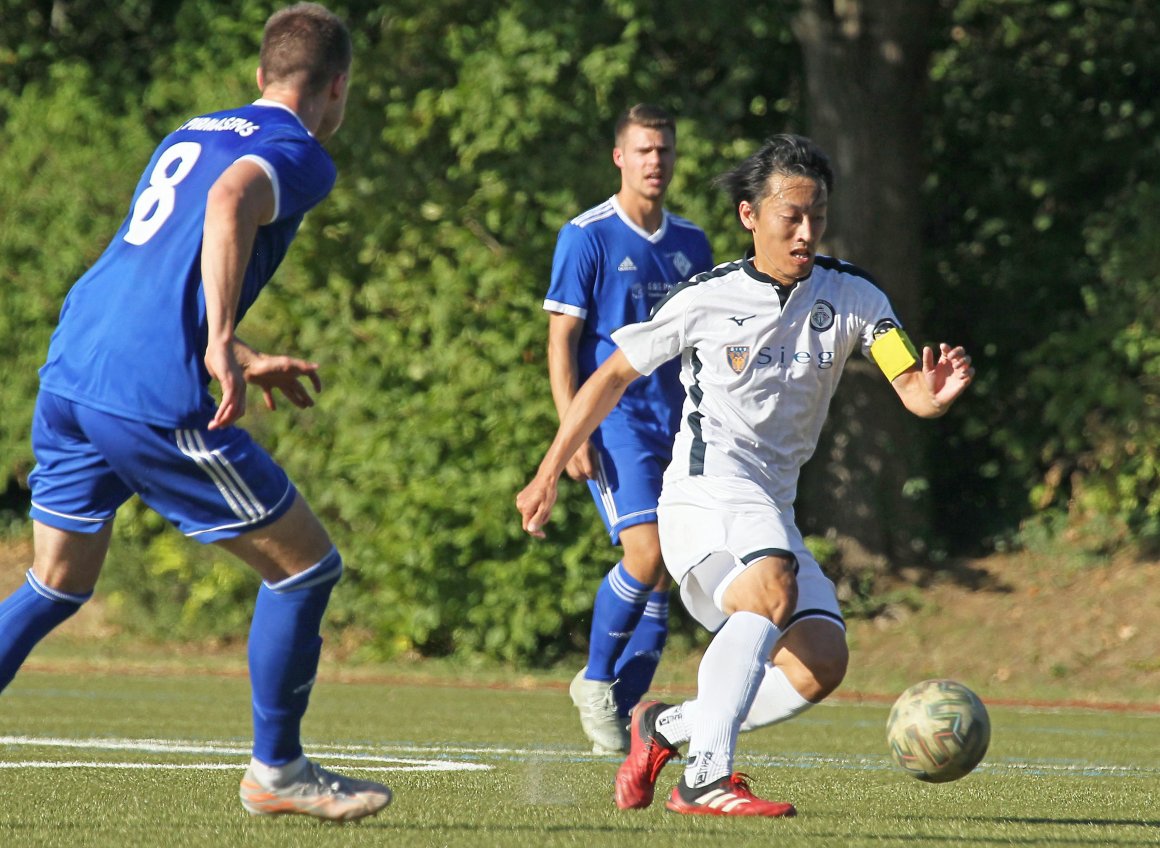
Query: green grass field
x=118 y=759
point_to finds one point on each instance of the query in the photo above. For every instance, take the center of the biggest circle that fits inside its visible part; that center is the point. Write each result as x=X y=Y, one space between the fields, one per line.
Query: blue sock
x=620 y=602
x=284 y=650
x=26 y=617
x=642 y=654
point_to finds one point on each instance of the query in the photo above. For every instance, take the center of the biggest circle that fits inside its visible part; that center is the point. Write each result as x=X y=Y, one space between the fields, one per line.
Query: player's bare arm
x=929 y=392
x=564 y=375
x=596 y=398
x=275 y=371
x=238 y=203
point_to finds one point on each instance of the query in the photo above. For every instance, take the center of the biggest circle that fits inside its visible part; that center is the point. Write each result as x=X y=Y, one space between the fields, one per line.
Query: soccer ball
x=938 y=730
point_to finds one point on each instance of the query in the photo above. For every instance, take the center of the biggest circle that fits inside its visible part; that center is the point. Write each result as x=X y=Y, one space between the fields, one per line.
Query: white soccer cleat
x=607 y=731
x=314 y=791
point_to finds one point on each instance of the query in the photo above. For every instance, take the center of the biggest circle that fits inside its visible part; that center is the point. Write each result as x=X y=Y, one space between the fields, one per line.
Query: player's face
x=645 y=157
x=787 y=226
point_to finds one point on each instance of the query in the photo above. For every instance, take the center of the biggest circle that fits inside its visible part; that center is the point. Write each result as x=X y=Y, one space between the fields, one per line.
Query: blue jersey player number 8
x=156 y=203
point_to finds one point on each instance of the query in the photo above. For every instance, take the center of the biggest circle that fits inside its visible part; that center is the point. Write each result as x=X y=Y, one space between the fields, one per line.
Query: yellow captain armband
x=893 y=352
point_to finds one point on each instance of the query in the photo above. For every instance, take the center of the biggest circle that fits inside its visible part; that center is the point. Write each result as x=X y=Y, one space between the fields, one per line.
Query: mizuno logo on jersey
x=740 y=320
x=626 y=264
x=738 y=357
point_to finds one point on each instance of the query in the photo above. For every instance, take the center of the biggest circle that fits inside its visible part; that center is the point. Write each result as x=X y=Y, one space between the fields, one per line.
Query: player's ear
x=747 y=215
x=618 y=157
x=261 y=78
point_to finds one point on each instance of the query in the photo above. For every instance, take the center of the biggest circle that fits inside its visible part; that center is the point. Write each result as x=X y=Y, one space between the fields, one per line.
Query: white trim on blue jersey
x=274 y=104
x=274 y=184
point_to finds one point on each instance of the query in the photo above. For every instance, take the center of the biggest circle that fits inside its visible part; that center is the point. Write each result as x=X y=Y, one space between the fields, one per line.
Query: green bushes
x=474 y=131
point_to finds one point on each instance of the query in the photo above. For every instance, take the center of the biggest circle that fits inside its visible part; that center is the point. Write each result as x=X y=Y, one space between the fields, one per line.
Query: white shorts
x=712 y=528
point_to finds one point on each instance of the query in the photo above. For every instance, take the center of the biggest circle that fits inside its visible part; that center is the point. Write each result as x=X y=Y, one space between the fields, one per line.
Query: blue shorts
x=628 y=479
x=210 y=484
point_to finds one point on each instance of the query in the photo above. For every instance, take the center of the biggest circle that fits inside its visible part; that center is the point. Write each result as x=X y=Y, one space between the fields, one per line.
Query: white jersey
x=758 y=373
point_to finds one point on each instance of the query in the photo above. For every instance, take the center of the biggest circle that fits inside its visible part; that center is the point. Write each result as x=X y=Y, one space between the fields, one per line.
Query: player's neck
x=302 y=106
x=645 y=213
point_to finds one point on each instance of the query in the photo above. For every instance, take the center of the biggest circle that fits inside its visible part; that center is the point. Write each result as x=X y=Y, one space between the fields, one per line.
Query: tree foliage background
x=474 y=131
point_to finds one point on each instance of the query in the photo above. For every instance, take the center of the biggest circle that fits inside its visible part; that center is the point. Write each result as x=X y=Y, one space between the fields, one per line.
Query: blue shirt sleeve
x=574 y=270
x=303 y=174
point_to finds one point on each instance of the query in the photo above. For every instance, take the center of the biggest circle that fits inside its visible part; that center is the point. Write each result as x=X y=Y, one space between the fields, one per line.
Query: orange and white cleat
x=314 y=791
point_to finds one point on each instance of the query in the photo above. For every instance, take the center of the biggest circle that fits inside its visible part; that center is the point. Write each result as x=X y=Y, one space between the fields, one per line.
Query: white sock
x=272 y=777
x=674 y=722
x=727 y=681
x=776 y=700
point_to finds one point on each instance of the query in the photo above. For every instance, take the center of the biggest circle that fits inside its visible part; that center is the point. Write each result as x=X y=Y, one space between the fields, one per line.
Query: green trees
x=474 y=131
x=1042 y=196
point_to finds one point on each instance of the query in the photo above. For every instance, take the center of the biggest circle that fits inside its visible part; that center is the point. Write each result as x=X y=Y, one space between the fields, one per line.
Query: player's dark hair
x=305 y=41
x=785 y=154
x=644 y=115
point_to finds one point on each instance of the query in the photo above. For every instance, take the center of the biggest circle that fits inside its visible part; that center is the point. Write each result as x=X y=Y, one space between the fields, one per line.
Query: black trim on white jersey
x=829 y=263
x=754 y=556
x=719 y=271
x=697 y=448
x=813 y=613
x=783 y=291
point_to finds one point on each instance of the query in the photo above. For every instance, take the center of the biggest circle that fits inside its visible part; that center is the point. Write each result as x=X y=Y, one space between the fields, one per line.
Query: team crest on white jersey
x=626 y=264
x=738 y=357
x=822 y=316
x=681 y=263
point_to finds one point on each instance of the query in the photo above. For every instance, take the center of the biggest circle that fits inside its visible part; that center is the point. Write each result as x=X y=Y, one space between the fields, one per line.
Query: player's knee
x=642 y=558
x=827 y=673
x=323 y=575
x=650 y=572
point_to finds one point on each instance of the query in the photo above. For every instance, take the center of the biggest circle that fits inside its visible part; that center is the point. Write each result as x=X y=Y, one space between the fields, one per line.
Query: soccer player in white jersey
x=124 y=404
x=612 y=265
x=762 y=343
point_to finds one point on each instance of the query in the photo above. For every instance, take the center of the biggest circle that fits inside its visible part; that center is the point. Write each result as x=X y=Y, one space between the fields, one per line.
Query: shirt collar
x=274 y=104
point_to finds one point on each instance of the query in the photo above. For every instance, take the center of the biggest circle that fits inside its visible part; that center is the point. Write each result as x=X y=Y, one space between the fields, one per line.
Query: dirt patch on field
x=1024 y=627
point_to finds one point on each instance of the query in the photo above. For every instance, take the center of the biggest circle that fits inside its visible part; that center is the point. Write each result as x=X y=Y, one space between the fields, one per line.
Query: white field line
x=403 y=757
x=162 y=746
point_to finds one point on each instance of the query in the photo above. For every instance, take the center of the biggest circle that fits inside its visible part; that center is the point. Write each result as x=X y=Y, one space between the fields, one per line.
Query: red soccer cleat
x=729 y=796
x=636 y=779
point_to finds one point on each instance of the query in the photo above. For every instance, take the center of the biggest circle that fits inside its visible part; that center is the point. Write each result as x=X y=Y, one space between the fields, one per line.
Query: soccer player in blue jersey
x=612 y=265
x=124 y=405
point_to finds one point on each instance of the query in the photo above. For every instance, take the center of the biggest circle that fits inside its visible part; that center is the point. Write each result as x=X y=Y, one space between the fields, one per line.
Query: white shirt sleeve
x=654 y=341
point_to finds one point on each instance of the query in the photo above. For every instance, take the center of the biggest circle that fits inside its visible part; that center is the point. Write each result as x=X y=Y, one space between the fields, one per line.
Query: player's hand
x=222 y=363
x=535 y=504
x=583 y=464
x=284 y=373
x=949 y=376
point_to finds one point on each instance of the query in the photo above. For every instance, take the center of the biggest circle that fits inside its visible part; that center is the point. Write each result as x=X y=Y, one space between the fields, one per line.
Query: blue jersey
x=132 y=334
x=610 y=272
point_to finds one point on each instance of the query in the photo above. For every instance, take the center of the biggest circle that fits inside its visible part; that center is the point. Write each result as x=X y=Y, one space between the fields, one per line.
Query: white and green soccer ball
x=938 y=730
